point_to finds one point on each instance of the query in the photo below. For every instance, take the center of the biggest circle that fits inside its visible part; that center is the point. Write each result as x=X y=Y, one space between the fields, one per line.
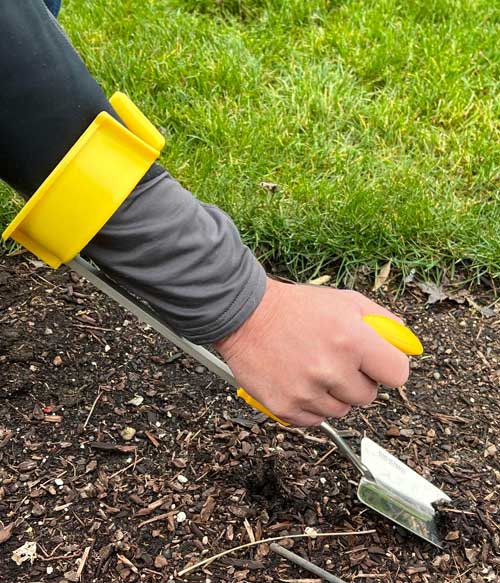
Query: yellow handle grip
x=249 y=400
x=398 y=335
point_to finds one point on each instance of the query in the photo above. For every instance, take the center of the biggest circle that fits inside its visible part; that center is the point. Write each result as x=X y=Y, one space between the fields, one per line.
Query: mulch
x=125 y=460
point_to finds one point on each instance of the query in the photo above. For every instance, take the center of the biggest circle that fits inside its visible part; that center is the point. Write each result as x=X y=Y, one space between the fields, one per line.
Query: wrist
x=257 y=323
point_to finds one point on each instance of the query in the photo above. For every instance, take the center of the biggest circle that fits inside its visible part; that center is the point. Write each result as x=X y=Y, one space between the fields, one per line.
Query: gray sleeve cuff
x=185 y=258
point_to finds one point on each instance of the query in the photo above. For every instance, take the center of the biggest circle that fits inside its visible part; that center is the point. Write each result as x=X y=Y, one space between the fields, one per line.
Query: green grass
x=379 y=121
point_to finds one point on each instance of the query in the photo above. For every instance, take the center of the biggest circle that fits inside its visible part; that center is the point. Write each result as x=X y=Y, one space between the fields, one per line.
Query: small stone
x=160 y=562
x=200 y=369
x=407 y=432
x=57 y=361
x=58 y=482
x=48 y=331
x=431 y=433
x=181 y=517
x=436 y=375
x=128 y=433
x=182 y=479
x=393 y=431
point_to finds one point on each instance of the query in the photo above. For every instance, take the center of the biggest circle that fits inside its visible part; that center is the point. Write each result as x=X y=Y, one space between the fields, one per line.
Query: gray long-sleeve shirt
x=183 y=257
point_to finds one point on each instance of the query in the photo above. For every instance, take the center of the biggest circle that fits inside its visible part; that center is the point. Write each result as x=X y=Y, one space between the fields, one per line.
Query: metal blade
x=399 y=493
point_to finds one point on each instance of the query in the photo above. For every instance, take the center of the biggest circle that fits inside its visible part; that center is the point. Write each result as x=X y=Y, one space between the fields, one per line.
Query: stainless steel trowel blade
x=399 y=493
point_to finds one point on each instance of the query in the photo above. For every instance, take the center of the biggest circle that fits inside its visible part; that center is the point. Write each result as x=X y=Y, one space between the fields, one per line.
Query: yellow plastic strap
x=88 y=185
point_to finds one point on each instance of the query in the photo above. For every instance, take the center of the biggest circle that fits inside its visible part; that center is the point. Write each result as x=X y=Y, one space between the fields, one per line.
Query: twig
x=298 y=431
x=268 y=540
x=134 y=463
x=154 y=519
x=323 y=457
x=83 y=560
x=92 y=409
x=304 y=563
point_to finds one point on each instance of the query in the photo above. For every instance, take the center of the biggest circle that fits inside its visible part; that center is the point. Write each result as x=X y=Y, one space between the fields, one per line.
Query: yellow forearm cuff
x=88 y=185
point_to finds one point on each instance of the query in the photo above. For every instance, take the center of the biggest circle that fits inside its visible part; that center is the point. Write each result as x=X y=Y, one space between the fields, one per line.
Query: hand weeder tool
x=387 y=485
x=56 y=226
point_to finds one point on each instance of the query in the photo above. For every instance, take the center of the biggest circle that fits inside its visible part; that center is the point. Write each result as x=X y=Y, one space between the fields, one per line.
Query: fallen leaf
x=136 y=401
x=320 y=280
x=452 y=535
x=6 y=532
x=382 y=276
x=207 y=509
x=269 y=186
x=490 y=450
x=435 y=292
x=484 y=310
x=26 y=552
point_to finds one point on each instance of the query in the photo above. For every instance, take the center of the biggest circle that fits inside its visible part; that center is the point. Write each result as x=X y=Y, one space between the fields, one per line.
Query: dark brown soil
x=71 y=361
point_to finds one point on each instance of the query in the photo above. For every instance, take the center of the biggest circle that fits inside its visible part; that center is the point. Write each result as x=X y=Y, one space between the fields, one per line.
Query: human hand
x=306 y=354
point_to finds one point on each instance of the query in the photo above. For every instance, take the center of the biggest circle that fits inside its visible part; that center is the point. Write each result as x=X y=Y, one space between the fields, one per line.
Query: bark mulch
x=124 y=460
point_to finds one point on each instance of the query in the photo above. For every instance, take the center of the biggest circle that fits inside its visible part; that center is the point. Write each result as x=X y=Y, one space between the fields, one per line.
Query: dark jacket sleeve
x=183 y=257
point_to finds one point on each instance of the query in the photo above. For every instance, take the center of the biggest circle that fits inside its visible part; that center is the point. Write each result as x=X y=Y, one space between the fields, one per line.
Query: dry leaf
x=382 y=276
x=452 y=535
x=249 y=530
x=207 y=509
x=269 y=186
x=320 y=280
x=435 y=292
x=6 y=532
x=136 y=401
x=26 y=552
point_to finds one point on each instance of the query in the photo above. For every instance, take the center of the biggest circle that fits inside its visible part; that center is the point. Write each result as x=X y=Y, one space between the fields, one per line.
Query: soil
x=204 y=473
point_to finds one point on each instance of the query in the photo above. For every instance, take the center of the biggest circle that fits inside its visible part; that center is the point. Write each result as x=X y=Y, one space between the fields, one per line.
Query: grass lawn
x=378 y=121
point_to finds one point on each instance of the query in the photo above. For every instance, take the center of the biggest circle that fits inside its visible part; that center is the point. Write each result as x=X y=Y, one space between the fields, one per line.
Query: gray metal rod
x=304 y=563
x=150 y=317
x=346 y=450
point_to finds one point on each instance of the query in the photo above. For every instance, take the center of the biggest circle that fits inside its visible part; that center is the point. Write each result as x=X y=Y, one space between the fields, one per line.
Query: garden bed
x=203 y=472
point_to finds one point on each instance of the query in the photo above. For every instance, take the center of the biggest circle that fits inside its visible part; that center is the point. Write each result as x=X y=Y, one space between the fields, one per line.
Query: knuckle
x=368 y=395
x=346 y=342
x=341 y=410
x=401 y=375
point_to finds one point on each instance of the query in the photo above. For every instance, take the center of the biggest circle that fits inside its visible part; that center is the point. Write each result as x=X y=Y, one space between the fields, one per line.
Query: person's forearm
x=185 y=258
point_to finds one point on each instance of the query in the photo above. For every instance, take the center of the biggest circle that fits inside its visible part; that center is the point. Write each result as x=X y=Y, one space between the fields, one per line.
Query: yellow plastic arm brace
x=89 y=184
